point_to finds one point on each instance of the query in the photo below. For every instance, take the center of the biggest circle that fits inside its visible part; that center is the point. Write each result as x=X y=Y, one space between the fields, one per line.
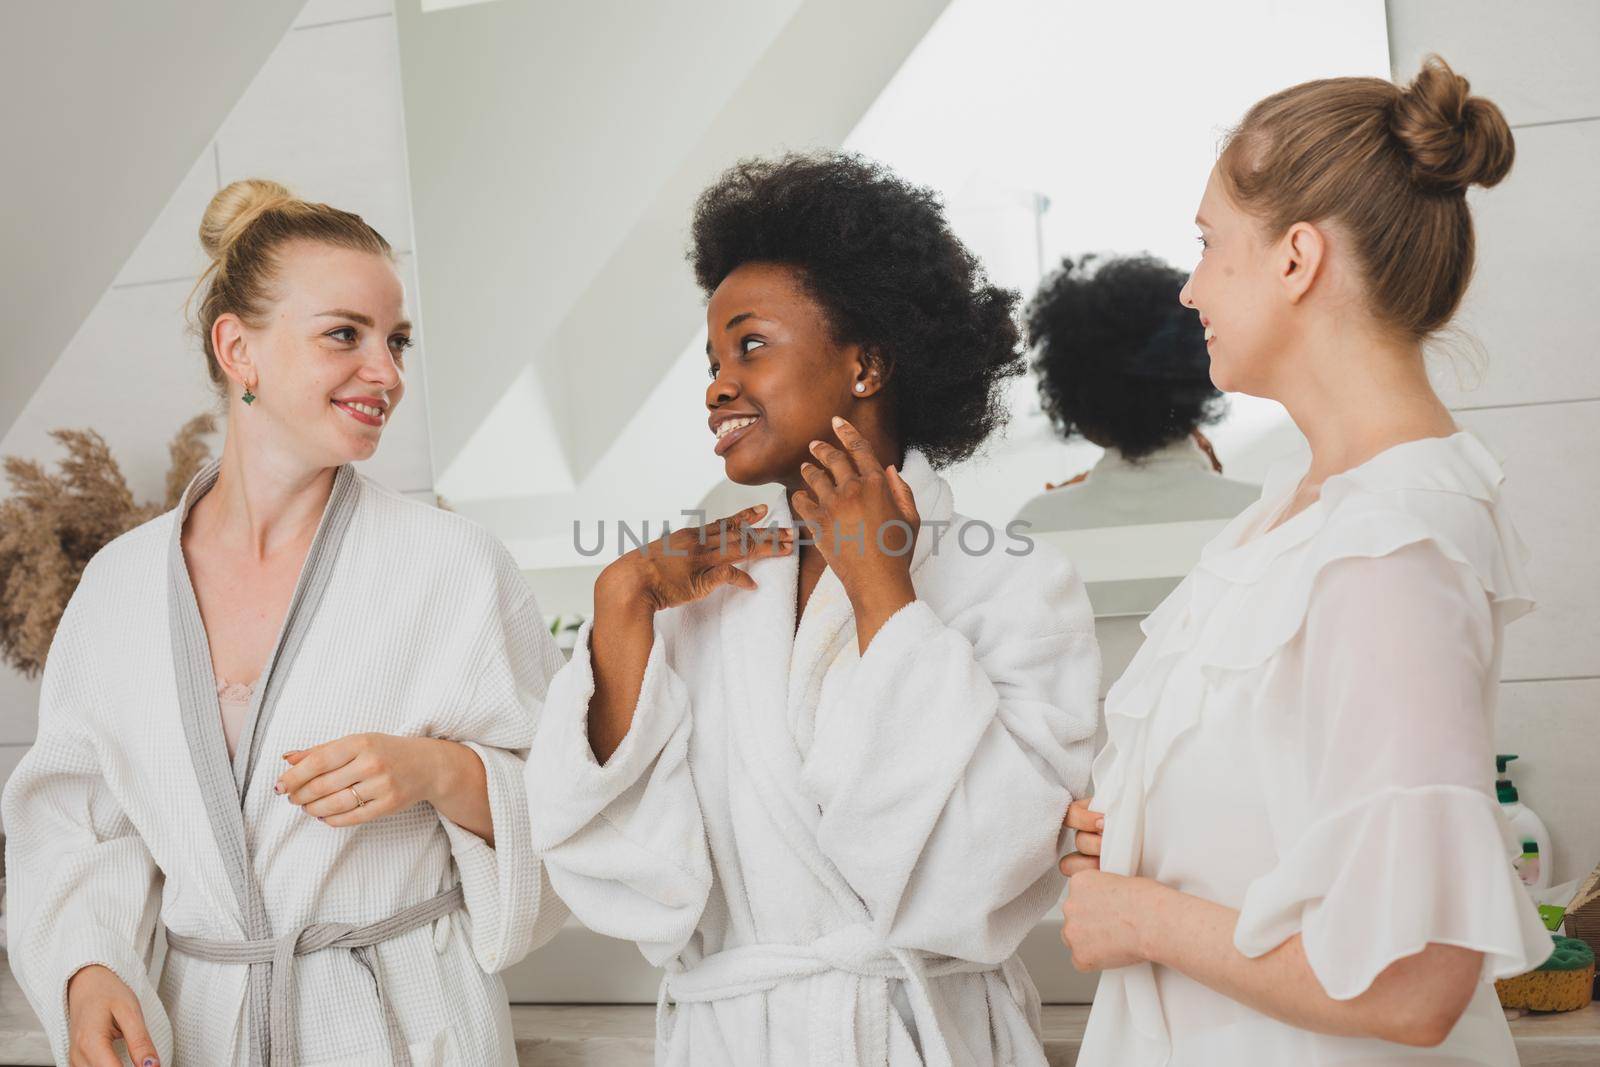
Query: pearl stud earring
x=861 y=387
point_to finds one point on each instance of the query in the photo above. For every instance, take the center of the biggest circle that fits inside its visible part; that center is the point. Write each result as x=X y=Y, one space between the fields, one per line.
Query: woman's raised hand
x=688 y=564
x=1089 y=825
x=864 y=521
x=675 y=569
x=862 y=516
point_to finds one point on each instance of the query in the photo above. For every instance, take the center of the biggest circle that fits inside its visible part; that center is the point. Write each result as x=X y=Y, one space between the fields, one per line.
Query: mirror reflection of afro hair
x=1119 y=359
x=878 y=255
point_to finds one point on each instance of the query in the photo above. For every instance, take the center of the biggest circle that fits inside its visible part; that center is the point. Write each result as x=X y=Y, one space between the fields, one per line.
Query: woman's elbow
x=1427 y=994
x=1425 y=1026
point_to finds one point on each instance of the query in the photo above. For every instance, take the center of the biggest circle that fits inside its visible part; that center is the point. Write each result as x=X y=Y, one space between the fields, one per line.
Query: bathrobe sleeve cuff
x=87 y=945
x=510 y=907
x=567 y=787
x=508 y=911
x=625 y=843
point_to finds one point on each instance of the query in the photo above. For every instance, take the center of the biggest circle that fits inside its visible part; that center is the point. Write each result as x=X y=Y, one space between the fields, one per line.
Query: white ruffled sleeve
x=1406 y=846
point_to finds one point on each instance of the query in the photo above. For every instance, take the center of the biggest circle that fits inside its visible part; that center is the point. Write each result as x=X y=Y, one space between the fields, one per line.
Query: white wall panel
x=1524 y=333
x=1551 y=455
x=1536 y=60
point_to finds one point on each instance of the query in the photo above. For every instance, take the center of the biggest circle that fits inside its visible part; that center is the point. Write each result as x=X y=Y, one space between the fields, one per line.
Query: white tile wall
x=317 y=13
x=1551 y=726
x=1551 y=455
x=1522 y=335
x=132 y=373
x=19 y=707
x=324 y=117
x=1536 y=60
x=171 y=248
x=10 y=756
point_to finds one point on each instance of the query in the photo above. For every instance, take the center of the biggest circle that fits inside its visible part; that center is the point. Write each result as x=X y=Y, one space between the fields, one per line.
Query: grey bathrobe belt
x=224 y=784
x=314 y=937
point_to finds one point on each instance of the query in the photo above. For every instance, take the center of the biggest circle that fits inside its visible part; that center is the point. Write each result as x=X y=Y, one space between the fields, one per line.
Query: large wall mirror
x=555 y=151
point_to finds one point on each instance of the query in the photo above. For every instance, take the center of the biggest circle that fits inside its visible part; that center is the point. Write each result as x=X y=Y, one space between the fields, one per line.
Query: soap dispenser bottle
x=1533 y=866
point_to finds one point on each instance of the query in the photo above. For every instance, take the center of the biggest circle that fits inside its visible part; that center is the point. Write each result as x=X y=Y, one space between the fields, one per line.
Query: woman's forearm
x=1414 y=1001
x=619 y=649
x=873 y=606
x=461 y=789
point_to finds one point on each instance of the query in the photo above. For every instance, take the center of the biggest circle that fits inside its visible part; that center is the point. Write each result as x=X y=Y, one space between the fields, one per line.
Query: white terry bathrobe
x=835 y=856
x=130 y=828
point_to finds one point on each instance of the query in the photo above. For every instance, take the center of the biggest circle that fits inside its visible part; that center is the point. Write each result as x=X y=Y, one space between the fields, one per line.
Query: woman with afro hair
x=816 y=767
x=1124 y=366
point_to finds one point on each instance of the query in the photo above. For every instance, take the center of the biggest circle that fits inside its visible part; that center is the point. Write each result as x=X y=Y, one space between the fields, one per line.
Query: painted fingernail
x=838 y=421
x=277 y=787
x=150 y=1061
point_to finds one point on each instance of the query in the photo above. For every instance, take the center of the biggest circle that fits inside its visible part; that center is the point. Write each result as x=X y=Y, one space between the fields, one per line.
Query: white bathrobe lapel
x=827 y=627
x=757 y=635
x=775 y=673
x=223 y=783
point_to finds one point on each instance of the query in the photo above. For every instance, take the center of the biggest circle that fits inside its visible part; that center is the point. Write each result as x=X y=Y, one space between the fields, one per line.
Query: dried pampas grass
x=54 y=523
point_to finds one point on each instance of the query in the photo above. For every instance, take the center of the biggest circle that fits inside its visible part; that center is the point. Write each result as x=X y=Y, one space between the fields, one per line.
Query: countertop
x=622 y=1035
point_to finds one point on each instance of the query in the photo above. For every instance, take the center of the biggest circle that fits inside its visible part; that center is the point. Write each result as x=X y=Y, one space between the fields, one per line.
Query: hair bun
x=1454 y=139
x=235 y=207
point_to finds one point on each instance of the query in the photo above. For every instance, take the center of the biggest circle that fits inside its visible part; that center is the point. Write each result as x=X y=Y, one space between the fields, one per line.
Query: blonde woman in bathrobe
x=812 y=774
x=1293 y=854
x=274 y=813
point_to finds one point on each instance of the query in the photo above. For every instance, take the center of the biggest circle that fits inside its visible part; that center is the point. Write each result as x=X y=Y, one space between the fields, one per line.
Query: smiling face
x=1236 y=288
x=328 y=356
x=778 y=376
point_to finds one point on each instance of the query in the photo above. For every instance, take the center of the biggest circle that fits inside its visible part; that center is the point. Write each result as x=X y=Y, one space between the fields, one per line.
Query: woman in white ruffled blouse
x=1293 y=855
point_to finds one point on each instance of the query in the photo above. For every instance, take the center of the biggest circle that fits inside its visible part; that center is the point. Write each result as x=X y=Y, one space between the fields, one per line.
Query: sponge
x=1562 y=983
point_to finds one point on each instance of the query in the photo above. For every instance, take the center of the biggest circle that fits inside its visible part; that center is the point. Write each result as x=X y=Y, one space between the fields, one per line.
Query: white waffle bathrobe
x=408 y=620
x=835 y=856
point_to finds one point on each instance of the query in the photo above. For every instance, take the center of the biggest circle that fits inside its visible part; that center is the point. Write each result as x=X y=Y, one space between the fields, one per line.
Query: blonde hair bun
x=235 y=207
x=1453 y=139
x=242 y=230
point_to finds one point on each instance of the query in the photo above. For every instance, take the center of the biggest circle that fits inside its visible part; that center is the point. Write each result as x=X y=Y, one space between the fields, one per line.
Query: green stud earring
x=248 y=397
